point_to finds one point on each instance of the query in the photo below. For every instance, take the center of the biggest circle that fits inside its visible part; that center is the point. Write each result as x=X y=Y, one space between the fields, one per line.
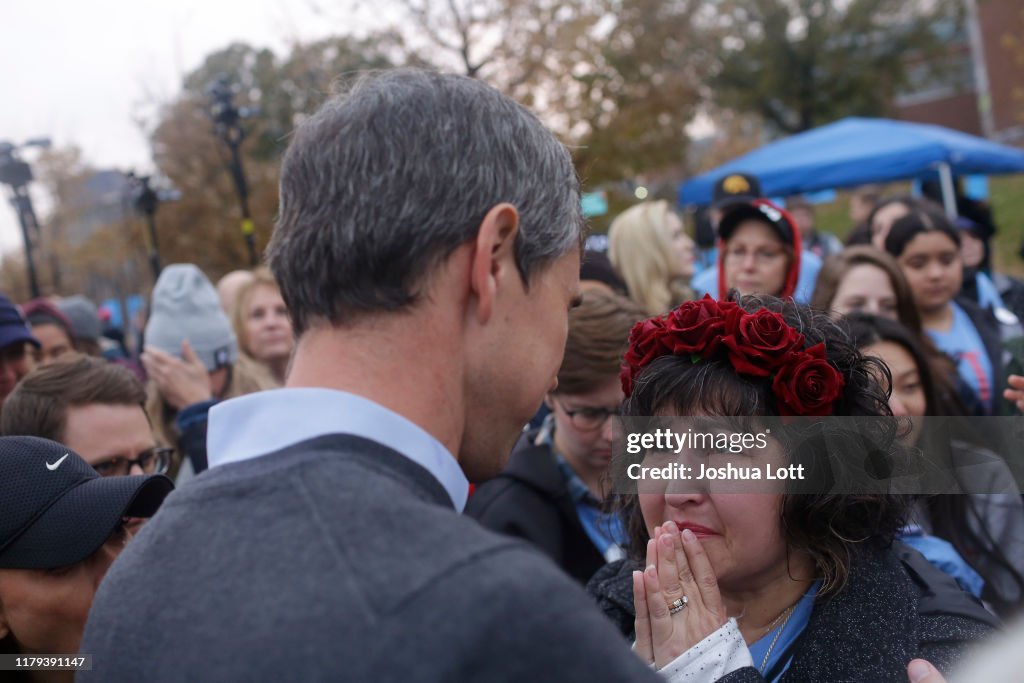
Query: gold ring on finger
x=678 y=605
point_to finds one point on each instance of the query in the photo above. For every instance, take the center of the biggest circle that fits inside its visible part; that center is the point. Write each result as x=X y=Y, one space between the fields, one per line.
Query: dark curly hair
x=955 y=517
x=828 y=527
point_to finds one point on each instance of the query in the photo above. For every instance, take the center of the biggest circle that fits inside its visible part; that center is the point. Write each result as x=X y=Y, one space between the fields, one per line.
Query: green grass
x=1007 y=200
x=1008 y=210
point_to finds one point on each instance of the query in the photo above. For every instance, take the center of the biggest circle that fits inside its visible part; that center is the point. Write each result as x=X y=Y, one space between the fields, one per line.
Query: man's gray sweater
x=337 y=559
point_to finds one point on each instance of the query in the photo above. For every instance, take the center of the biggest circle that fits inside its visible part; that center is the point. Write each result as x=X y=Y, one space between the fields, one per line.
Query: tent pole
x=948 y=192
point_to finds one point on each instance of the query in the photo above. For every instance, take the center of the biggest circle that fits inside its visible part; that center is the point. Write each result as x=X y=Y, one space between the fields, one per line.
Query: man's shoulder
x=399 y=567
x=360 y=464
x=382 y=527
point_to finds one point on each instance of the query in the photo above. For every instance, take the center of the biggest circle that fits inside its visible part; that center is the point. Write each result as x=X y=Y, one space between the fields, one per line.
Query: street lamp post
x=227 y=124
x=17 y=174
x=146 y=200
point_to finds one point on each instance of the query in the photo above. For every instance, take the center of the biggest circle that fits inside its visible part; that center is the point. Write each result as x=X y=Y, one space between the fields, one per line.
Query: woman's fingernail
x=918 y=670
x=666 y=541
x=651 y=571
x=689 y=536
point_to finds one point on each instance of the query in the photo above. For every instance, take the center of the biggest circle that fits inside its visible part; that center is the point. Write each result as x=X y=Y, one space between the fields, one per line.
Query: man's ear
x=493 y=256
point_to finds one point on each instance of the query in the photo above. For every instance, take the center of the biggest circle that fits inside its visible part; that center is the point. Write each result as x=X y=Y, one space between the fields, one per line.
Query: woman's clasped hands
x=676 y=597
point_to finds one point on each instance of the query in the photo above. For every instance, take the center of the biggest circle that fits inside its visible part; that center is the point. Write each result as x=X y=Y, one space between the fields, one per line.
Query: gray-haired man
x=428 y=249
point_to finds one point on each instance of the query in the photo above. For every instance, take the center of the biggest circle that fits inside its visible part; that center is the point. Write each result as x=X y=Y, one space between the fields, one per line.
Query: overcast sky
x=78 y=70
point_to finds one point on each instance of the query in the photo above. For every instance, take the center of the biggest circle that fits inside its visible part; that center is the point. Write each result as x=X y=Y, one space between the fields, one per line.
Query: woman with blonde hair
x=653 y=254
x=262 y=325
x=192 y=360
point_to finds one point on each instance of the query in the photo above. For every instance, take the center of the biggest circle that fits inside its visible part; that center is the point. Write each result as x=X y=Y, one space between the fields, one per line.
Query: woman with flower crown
x=768 y=584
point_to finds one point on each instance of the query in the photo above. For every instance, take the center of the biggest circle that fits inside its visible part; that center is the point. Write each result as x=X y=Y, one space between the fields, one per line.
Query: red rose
x=646 y=342
x=761 y=343
x=731 y=314
x=696 y=328
x=807 y=384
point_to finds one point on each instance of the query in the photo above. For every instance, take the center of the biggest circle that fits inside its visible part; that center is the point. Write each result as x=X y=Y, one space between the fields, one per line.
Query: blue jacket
x=706 y=281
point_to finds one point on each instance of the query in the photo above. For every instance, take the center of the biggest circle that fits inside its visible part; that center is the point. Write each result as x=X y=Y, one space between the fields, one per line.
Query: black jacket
x=895 y=607
x=530 y=500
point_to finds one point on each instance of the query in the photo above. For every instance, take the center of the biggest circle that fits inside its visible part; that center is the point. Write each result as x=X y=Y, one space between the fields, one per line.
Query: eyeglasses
x=588 y=419
x=761 y=256
x=153 y=461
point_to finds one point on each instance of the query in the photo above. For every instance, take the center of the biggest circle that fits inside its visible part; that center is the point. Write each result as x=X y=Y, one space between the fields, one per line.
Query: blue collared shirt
x=256 y=424
x=772 y=654
x=606 y=531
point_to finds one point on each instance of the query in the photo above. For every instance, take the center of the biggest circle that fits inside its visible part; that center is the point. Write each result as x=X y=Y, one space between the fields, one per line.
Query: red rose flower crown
x=758 y=344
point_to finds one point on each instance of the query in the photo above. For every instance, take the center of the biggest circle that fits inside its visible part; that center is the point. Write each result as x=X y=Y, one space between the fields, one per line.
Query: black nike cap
x=55 y=510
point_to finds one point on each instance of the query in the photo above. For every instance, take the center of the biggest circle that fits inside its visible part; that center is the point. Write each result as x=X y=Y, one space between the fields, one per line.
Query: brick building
x=978 y=87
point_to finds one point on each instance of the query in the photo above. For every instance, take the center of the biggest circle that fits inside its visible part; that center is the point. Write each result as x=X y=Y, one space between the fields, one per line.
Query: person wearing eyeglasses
x=760 y=250
x=738 y=198
x=61 y=527
x=94 y=408
x=551 y=493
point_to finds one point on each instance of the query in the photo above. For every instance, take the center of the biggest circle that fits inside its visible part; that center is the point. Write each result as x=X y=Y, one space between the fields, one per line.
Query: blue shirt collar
x=256 y=424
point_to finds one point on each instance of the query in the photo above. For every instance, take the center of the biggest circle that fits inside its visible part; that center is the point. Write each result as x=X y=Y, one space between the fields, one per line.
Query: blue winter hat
x=13 y=327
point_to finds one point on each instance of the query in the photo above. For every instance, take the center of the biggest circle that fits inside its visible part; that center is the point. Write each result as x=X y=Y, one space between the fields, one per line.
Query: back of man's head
x=385 y=181
x=39 y=405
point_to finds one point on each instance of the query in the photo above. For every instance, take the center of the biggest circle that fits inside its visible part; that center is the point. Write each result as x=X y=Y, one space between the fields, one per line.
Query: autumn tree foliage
x=619 y=81
x=803 y=63
x=203 y=226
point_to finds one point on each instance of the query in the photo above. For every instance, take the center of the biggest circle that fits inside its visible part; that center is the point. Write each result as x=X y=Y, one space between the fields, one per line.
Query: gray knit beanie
x=185 y=306
x=85 y=319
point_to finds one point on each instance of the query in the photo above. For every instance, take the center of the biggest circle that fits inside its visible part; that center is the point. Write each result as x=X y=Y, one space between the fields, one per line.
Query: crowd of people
x=388 y=454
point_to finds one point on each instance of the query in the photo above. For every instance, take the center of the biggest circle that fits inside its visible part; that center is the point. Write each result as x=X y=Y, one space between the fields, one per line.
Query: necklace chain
x=788 y=612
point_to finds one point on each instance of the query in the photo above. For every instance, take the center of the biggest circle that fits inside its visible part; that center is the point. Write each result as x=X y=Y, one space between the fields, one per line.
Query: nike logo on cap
x=57 y=464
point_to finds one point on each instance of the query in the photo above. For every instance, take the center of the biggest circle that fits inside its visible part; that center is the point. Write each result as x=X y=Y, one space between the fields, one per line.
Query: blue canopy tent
x=857 y=151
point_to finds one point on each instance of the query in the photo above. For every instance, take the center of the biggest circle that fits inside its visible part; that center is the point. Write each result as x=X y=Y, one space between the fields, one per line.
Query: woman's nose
x=897 y=407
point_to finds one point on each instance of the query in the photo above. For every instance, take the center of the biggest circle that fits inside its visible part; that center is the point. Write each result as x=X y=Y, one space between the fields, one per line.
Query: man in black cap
x=735 y=191
x=731 y=189
x=15 y=362
x=61 y=526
